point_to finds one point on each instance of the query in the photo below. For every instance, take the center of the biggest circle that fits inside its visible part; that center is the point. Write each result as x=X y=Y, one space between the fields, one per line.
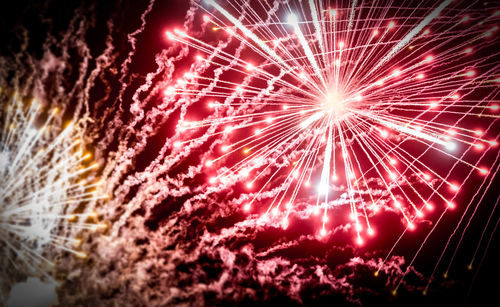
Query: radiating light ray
x=483 y=183
x=43 y=185
x=344 y=98
x=479 y=201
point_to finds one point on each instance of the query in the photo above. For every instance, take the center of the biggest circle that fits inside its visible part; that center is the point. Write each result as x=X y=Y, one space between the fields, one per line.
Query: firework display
x=352 y=96
x=292 y=151
x=42 y=186
x=356 y=100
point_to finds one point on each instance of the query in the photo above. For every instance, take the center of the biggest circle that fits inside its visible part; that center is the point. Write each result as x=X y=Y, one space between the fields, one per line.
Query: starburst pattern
x=43 y=186
x=357 y=100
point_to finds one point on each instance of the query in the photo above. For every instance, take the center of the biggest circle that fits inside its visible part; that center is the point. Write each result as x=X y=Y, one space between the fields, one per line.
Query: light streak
x=332 y=98
x=362 y=111
x=44 y=181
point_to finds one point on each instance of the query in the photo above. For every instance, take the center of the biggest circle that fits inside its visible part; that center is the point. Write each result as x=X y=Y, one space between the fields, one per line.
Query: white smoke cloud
x=33 y=293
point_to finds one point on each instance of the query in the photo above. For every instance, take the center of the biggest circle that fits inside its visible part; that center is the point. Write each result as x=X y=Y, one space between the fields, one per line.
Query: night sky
x=173 y=237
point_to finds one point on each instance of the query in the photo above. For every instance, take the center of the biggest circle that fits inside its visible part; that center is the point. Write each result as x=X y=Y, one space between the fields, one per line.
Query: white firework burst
x=42 y=189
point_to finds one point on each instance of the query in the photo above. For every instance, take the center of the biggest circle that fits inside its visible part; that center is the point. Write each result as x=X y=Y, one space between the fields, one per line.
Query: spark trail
x=266 y=114
x=350 y=96
x=44 y=183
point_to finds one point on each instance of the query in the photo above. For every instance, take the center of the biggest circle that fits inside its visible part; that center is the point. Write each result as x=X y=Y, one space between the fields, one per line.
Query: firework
x=291 y=148
x=43 y=186
x=375 y=110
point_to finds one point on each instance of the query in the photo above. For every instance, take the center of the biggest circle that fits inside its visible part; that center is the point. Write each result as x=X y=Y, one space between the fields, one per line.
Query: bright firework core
x=334 y=103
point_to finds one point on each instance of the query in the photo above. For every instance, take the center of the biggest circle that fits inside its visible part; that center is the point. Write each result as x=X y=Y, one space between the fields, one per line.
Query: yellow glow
x=81 y=255
x=77 y=242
